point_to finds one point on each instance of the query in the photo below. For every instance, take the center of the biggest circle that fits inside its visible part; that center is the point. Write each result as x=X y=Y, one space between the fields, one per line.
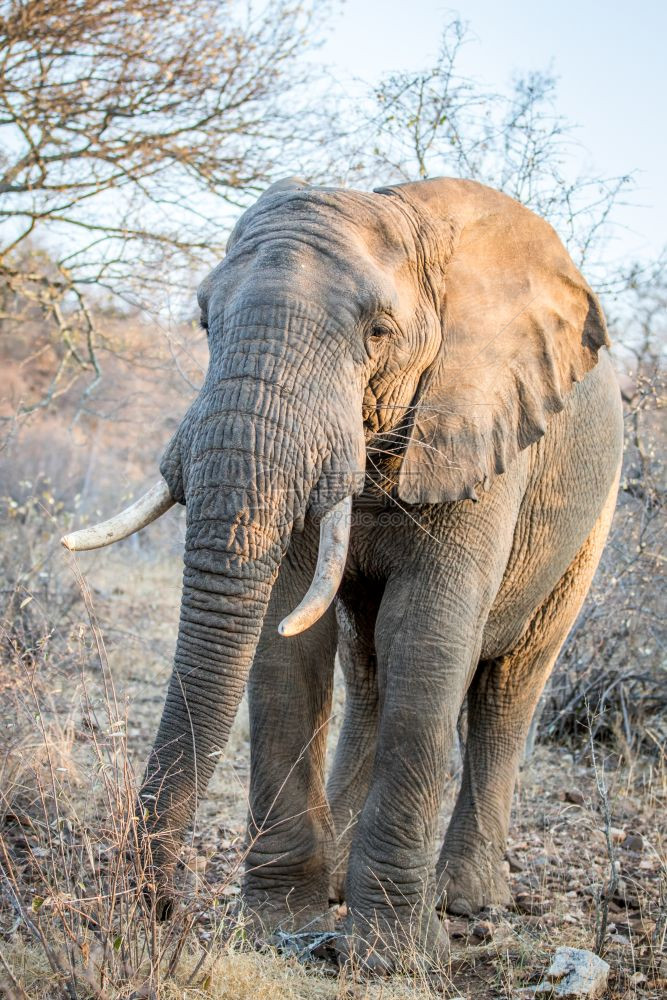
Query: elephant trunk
x=249 y=459
x=220 y=622
x=232 y=555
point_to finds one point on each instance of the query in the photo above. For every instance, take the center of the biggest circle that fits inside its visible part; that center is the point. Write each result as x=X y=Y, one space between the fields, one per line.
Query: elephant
x=409 y=426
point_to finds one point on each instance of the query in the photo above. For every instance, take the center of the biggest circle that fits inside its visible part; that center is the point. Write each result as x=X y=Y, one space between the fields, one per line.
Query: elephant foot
x=274 y=922
x=165 y=904
x=466 y=886
x=160 y=877
x=383 y=945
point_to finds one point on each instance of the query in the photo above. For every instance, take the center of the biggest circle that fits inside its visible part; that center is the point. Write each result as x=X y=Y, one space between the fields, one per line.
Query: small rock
x=541 y=861
x=634 y=842
x=529 y=880
x=514 y=864
x=527 y=903
x=575 y=796
x=484 y=930
x=573 y=974
x=617 y=834
x=637 y=978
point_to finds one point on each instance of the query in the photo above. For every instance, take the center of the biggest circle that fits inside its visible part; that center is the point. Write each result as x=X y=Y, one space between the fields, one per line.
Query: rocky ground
x=568 y=865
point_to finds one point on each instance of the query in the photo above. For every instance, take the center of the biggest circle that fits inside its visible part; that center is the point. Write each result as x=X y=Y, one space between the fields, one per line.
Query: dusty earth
x=558 y=855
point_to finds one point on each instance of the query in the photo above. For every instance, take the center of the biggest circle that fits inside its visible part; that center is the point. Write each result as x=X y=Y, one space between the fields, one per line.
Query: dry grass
x=80 y=720
x=83 y=669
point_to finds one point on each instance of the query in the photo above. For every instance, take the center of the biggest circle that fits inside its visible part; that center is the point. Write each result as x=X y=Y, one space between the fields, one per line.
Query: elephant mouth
x=331 y=557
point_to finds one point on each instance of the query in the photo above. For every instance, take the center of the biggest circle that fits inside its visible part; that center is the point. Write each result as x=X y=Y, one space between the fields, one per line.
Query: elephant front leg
x=357 y=606
x=290 y=831
x=390 y=887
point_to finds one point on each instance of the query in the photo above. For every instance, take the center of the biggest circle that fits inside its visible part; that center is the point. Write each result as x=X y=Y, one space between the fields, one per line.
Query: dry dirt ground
x=67 y=736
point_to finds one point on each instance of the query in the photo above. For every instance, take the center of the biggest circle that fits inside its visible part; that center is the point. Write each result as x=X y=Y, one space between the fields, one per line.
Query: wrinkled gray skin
x=437 y=336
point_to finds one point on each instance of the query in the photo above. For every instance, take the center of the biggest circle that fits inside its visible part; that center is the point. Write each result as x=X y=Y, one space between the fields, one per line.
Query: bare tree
x=436 y=121
x=127 y=130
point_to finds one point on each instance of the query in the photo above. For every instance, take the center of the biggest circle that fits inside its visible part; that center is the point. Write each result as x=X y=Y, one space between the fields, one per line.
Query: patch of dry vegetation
x=83 y=667
x=75 y=922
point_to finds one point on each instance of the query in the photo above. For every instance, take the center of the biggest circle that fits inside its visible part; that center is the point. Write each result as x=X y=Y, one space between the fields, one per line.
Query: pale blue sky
x=610 y=58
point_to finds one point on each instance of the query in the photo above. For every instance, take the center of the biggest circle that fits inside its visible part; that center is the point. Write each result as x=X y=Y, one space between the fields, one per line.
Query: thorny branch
x=438 y=122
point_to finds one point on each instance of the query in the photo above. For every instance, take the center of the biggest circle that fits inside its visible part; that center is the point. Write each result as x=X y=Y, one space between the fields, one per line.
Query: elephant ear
x=520 y=326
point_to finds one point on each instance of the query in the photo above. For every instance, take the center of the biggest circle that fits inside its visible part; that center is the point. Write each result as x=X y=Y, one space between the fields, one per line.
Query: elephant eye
x=203 y=322
x=379 y=329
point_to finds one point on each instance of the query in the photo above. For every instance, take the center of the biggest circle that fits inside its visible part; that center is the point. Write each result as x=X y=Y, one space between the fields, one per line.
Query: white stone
x=574 y=973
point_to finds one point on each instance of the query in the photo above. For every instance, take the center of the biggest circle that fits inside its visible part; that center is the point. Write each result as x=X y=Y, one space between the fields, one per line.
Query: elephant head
x=442 y=314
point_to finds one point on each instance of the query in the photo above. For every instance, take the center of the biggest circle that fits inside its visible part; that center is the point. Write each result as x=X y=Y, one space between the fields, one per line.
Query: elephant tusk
x=334 y=538
x=147 y=508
